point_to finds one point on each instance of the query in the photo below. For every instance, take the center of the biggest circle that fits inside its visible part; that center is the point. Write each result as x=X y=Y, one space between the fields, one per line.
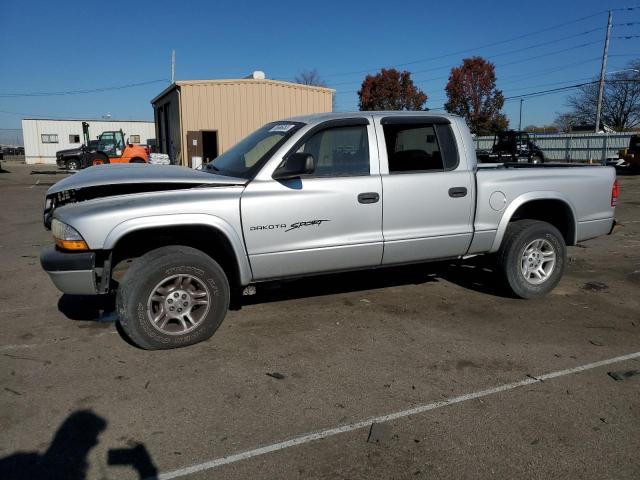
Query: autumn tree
x=390 y=90
x=472 y=93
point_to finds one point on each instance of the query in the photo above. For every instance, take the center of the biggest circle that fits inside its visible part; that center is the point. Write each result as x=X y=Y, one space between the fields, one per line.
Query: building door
x=194 y=149
x=209 y=145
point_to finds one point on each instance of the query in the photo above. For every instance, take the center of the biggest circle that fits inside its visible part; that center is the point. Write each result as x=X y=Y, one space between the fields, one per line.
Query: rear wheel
x=532 y=257
x=172 y=297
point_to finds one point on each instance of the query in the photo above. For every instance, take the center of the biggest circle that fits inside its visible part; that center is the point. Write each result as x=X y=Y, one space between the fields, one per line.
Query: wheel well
x=137 y=160
x=206 y=239
x=555 y=212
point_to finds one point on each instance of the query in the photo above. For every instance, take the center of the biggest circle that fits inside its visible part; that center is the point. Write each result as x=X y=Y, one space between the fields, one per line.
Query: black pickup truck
x=72 y=158
x=511 y=146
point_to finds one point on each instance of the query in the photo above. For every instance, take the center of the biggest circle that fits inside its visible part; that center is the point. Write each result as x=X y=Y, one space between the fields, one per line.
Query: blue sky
x=68 y=45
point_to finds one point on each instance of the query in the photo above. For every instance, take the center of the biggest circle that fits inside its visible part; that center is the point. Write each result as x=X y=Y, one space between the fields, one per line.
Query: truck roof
x=320 y=117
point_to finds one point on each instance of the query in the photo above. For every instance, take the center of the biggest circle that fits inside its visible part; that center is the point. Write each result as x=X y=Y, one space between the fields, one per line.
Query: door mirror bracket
x=294 y=166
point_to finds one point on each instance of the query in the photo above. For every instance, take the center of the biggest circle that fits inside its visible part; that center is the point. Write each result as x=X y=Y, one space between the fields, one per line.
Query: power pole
x=520 y=122
x=605 y=53
x=173 y=66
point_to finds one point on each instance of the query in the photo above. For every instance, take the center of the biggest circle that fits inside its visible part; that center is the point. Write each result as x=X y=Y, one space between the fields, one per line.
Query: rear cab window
x=414 y=145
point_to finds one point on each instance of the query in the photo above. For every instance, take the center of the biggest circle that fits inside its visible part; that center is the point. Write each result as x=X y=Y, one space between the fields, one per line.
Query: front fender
x=155 y=221
x=525 y=198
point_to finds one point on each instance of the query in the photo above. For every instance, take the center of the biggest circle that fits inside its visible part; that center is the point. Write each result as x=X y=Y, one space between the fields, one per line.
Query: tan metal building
x=209 y=116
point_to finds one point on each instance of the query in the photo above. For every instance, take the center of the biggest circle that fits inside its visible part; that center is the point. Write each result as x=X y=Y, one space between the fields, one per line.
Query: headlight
x=67 y=237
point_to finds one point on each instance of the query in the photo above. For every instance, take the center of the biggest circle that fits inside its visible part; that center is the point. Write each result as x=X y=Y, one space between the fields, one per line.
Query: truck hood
x=104 y=181
x=138 y=175
x=67 y=151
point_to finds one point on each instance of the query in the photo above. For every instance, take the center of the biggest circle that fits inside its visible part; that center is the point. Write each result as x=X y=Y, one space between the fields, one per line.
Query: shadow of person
x=137 y=457
x=65 y=458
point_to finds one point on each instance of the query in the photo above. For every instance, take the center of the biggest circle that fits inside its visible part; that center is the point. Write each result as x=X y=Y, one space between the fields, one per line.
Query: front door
x=328 y=221
x=194 y=148
x=428 y=197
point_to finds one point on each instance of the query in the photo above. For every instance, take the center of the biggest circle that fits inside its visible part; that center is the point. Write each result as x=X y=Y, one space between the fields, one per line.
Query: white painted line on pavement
x=329 y=432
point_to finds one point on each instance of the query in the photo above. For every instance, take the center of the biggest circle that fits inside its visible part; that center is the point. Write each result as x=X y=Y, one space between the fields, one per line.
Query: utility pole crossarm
x=603 y=68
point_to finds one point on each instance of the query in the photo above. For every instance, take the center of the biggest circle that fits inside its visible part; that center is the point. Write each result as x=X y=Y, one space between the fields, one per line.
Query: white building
x=43 y=138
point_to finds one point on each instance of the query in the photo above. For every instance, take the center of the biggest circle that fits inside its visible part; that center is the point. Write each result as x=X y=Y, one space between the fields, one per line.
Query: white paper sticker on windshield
x=282 y=127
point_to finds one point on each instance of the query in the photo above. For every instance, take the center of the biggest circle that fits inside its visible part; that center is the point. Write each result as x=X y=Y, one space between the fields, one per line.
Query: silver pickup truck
x=308 y=195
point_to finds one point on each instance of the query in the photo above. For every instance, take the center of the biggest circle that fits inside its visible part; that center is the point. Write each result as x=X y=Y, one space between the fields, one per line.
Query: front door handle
x=457 y=192
x=369 y=197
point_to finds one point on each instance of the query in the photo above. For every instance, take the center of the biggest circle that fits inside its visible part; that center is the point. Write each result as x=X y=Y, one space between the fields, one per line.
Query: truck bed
x=503 y=188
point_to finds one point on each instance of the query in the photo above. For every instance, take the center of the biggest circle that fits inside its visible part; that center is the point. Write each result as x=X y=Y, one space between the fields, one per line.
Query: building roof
x=235 y=81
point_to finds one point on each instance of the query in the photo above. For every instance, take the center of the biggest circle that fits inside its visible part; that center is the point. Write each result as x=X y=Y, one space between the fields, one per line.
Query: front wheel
x=172 y=297
x=532 y=257
x=73 y=164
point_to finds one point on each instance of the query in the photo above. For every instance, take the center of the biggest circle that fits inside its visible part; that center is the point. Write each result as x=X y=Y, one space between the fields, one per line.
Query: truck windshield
x=245 y=157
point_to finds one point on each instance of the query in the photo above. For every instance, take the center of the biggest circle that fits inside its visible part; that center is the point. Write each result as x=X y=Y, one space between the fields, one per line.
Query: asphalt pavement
x=429 y=371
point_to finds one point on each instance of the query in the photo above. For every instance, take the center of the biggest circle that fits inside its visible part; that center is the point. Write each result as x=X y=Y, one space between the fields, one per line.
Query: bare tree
x=564 y=121
x=310 y=77
x=620 y=102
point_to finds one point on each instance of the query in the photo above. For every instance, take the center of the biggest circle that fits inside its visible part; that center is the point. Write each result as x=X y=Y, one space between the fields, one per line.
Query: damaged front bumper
x=72 y=273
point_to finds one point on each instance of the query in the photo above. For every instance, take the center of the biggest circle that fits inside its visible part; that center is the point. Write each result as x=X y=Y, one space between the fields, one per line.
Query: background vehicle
x=315 y=194
x=113 y=149
x=631 y=154
x=74 y=158
x=110 y=147
x=512 y=146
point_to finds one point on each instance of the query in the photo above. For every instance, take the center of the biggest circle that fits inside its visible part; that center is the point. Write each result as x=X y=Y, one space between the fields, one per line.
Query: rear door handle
x=457 y=192
x=369 y=197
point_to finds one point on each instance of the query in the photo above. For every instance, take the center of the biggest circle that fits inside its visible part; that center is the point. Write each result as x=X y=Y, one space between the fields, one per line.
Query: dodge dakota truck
x=306 y=196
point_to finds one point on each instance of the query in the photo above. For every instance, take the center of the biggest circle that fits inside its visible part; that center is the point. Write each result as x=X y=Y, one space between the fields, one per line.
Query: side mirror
x=295 y=165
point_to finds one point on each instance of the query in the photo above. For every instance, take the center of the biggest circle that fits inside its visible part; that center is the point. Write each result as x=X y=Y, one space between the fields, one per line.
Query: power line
x=79 y=92
x=521 y=60
x=55 y=115
x=510 y=52
x=493 y=44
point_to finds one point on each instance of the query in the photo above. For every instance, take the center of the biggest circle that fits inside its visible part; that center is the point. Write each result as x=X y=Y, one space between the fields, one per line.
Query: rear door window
x=420 y=147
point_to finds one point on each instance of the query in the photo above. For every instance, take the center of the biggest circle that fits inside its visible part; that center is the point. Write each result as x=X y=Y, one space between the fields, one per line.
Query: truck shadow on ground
x=476 y=274
x=66 y=456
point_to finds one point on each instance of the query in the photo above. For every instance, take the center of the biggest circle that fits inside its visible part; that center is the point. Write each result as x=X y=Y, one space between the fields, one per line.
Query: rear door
x=428 y=192
x=328 y=221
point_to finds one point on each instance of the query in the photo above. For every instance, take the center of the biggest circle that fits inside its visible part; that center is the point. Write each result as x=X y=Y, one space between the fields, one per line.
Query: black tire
x=72 y=164
x=98 y=159
x=135 y=304
x=137 y=160
x=511 y=258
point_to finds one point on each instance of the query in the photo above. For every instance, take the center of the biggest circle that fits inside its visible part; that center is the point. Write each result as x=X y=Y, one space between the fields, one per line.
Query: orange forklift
x=111 y=148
